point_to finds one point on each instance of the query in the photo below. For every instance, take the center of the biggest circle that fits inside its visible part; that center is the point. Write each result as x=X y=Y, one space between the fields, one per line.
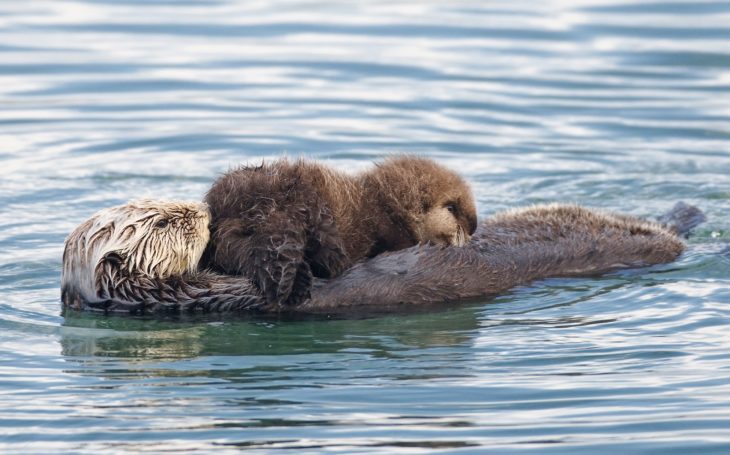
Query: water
x=612 y=105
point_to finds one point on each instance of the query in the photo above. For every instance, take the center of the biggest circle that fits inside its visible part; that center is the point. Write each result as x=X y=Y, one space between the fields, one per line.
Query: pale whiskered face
x=164 y=239
x=450 y=221
x=157 y=239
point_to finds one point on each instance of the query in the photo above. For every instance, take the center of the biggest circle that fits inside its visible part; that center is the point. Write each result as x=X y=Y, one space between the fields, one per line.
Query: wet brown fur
x=509 y=249
x=283 y=223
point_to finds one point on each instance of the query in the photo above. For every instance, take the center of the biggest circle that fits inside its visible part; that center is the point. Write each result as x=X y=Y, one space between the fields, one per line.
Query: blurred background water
x=624 y=106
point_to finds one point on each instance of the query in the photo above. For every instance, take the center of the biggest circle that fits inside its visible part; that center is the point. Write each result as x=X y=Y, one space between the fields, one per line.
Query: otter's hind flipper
x=682 y=218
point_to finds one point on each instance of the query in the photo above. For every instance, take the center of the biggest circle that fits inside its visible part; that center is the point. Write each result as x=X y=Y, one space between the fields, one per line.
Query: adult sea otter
x=140 y=258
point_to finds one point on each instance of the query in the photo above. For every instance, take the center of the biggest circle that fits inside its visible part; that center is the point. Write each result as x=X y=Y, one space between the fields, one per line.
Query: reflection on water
x=621 y=105
x=241 y=335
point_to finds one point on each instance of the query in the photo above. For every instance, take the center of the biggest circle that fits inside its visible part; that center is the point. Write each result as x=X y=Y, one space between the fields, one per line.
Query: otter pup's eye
x=161 y=223
x=451 y=207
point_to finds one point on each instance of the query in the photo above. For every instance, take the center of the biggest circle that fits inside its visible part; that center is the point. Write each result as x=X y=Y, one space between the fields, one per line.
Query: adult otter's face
x=165 y=239
x=450 y=220
x=157 y=239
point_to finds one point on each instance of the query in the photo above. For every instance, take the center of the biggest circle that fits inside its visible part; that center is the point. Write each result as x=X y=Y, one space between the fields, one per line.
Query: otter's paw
x=302 y=287
x=325 y=249
x=280 y=272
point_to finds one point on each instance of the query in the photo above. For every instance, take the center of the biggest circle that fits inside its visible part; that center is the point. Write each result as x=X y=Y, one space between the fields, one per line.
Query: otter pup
x=126 y=260
x=283 y=223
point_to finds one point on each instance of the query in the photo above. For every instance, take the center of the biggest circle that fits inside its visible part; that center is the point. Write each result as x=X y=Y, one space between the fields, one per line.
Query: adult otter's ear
x=108 y=270
x=113 y=259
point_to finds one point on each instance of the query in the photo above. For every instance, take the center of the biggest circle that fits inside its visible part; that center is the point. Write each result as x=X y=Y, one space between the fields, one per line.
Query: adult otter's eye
x=161 y=223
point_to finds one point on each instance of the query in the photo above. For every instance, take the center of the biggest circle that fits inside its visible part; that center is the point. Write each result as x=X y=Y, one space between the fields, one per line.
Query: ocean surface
x=618 y=105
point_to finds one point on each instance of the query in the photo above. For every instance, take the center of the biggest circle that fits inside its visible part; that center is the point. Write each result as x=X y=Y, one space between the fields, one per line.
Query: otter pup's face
x=435 y=202
x=143 y=238
x=450 y=220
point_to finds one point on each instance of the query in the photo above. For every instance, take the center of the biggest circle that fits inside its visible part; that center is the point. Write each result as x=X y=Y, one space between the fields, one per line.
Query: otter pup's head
x=432 y=203
x=142 y=239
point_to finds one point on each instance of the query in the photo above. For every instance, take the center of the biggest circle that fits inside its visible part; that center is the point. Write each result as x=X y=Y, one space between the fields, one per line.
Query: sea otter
x=511 y=248
x=138 y=258
x=283 y=223
x=144 y=255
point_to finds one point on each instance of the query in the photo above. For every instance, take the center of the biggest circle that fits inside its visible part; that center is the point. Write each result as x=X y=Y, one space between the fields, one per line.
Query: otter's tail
x=682 y=218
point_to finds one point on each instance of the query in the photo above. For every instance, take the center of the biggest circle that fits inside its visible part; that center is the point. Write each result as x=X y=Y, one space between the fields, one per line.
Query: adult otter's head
x=428 y=201
x=135 y=241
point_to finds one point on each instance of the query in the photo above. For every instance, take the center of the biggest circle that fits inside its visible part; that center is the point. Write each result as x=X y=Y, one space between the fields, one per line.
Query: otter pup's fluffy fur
x=283 y=223
x=123 y=261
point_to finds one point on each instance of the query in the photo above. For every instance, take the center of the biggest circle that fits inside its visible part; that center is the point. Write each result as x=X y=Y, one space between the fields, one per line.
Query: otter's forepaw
x=288 y=286
x=275 y=281
x=280 y=271
x=326 y=250
x=302 y=287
